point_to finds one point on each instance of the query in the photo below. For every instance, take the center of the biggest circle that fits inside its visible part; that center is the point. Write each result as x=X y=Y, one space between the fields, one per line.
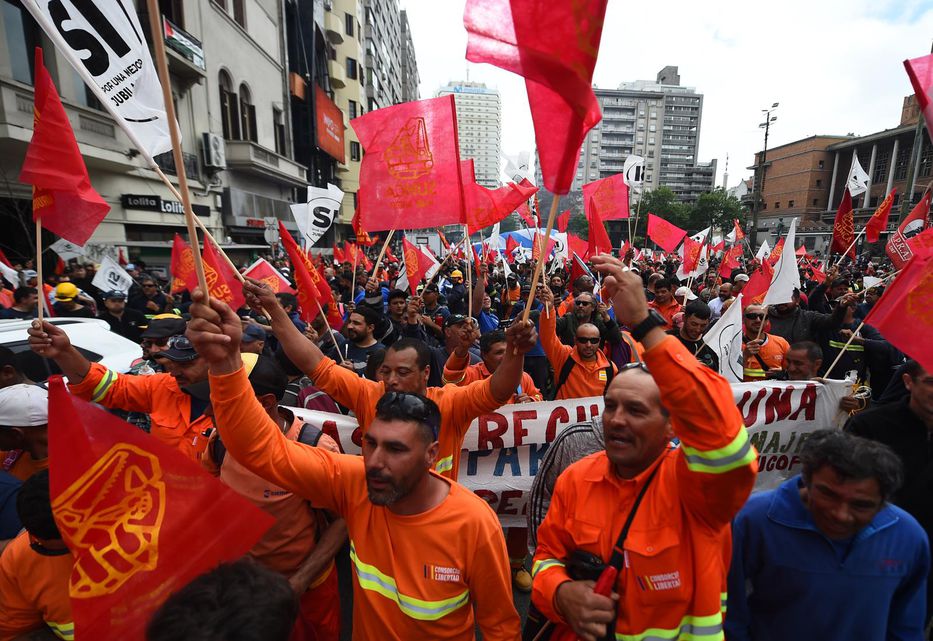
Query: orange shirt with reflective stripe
x=667 y=311
x=157 y=395
x=416 y=577
x=34 y=591
x=458 y=371
x=678 y=550
x=458 y=405
x=587 y=378
x=772 y=352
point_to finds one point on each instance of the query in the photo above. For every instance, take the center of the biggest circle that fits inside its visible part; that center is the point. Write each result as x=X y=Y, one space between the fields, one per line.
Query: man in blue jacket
x=824 y=556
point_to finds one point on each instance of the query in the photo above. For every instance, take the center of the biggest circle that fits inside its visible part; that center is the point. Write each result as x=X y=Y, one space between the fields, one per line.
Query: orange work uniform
x=667 y=311
x=416 y=576
x=158 y=396
x=458 y=371
x=771 y=353
x=20 y=463
x=34 y=591
x=458 y=405
x=587 y=378
x=677 y=553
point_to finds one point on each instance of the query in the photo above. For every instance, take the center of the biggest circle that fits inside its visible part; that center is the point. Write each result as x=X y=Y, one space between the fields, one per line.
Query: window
x=777 y=205
x=278 y=122
x=790 y=203
x=247 y=116
x=903 y=158
x=351 y=69
x=348 y=24
x=354 y=151
x=173 y=10
x=819 y=182
x=21 y=35
x=926 y=160
x=882 y=162
x=820 y=164
x=239 y=12
x=816 y=202
x=352 y=109
x=229 y=108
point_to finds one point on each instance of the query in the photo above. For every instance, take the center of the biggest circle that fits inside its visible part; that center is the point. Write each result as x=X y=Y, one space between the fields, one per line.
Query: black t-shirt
x=81 y=312
x=128 y=326
x=701 y=350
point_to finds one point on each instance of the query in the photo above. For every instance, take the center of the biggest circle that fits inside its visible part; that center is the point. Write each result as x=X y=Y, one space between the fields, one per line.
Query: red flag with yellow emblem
x=264 y=271
x=140 y=518
x=308 y=295
x=221 y=279
x=182 y=266
x=844 y=227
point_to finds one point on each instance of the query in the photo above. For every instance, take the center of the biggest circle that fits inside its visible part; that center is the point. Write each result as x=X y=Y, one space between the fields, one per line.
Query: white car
x=91 y=336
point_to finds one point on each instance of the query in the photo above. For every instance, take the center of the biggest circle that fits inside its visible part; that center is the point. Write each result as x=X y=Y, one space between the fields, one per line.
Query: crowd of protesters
x=840 y=551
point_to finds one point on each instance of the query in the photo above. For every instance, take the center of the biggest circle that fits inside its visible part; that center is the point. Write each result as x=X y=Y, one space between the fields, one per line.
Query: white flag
x=112 y=277
x=870 y=281
x=496 y=241
x=519 y=167
x=633 y=172
x=316 y=216
x=858 y=179
x=67 y=249
x=11 y=275
x=764 y=251
x=104 y=42
x=785 y=278
x=725 y=338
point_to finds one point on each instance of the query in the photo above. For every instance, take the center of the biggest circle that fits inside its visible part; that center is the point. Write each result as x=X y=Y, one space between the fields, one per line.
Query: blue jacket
x=789 y=581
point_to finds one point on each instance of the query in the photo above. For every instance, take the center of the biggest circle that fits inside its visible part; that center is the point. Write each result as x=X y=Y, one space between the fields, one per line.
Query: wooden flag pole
x=382 y=252
x=541 y=259
x=43 y=299
x=353 y=279
x=843 y=350
x=846 y=252
x=329 y=330
x=469 y=268
x=158 y=41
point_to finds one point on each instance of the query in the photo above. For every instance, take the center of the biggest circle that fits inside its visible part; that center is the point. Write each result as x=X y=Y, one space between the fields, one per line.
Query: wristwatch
x=654 y=320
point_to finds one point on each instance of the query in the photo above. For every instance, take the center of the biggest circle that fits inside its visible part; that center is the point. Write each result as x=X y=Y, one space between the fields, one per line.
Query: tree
x=579 y=226
x=715 y=208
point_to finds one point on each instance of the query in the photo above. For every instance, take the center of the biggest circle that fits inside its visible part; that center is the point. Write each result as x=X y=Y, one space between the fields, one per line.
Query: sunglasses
x=158 y=342
x=582 y=303
x=413 y=406
x=583 y=340
x=755 y=316
x=638 y=365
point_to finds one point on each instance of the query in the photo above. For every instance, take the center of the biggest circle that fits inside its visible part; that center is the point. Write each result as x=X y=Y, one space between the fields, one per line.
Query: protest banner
x=502 y=450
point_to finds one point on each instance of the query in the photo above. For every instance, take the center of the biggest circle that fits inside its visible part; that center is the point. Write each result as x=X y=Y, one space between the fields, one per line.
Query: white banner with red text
x=502 y=450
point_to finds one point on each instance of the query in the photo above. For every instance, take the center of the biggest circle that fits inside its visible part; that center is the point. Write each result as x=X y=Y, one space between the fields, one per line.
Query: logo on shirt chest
x=442 y=573
x=602 y=375
x=664 y=581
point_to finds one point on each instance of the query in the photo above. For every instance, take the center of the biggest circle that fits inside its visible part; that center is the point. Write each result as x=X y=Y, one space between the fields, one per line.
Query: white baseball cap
x=684 y=291
x=741 y=278
x=23 y=406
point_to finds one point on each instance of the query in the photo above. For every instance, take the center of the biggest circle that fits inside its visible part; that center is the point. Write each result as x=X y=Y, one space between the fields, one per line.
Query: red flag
x=844 y=227
x=419 y=263
x=757 y=285
x=525 y=212
x=562 y=221
x=598 y=239
x=62 y=196
x=59 y=266
x=818 y=275
x=352 y=252
x=121 y=258
x=922 y=243
x=900 y=246
x=609 y=197
x=362 y=238
x=553 y=45
x=902 y=314
x=718 y=247
x=737 y=230
x=443 y=240
x=692 y=251
x=730 y=260
x=485 y=207
x=130 y=509
x=801 y=251
x=578 y=268
x=410 y=174
x=477 y=261
x=510 y=245
x=339 y=255
x=666 y=235
x=537 y=244
x=308 y=294
x=368 y=264
x=920 y=72
x=775 y=254
x=879 y=220
x=221 y=280
x=389 y=256
x=182 y=266
x=262 y=270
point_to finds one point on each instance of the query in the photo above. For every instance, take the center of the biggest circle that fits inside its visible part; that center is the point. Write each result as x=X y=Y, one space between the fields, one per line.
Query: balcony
x=333 y=28
x=251 y=158
x=338 y=75
x=185 y=53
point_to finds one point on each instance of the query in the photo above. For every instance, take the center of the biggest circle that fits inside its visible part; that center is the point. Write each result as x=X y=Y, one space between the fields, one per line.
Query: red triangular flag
x=525 y=212
x=62 y=196
x=362 y=238
x=920 y=72
x=666 y=235
x=562 y=221
x=443 y=238
x=776 y=252
x=510 y=245
x=598 y=240
x=308 y=295
x=410 y=174
x=879 y=220
x=264 y=271
x=129 y=508
x=737 y=230
x=900 y=248
x=692 y=252
x=730 y=260
x=182 y=266
x=418 y=263
x=485 y=207
x=221 y=280
x=389 y=256
x=801 y=251
x=578 y=268
x=757 y=285
x=609 y=197
x=844 y=227
x=553 y=46
x=338 y=255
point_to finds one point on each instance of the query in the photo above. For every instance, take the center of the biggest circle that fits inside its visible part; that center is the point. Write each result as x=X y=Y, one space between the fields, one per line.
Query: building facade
x=382 y=31
x=409 y=65
x=479 y=127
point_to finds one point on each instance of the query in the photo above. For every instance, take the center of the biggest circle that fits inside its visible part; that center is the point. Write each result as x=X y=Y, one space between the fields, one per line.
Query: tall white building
x=479 y=122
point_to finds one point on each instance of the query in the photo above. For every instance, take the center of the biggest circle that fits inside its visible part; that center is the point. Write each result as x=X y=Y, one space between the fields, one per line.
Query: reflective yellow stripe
x=371 y=579
x=738 y=453
x=444 y=465
x=110 y=377
x=751 y=372
x=708 y=628
x=64 y=631
x=852 y=347
x=544 y=564
x=723 y=601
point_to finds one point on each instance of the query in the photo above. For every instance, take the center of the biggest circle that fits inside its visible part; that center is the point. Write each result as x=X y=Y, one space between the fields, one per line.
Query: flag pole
x=541 y=259
x=843 y=350
x=43 y=300
x=846 y=252
x=382 y=253
x=469 y=268
x=329 y=330
x=158 y=42
x=353 y=280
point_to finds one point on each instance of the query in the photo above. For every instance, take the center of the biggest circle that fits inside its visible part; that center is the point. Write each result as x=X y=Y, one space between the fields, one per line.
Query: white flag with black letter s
x=104 y=42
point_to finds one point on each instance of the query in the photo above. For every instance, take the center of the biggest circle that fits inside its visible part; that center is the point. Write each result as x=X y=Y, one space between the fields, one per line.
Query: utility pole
x=760 y=181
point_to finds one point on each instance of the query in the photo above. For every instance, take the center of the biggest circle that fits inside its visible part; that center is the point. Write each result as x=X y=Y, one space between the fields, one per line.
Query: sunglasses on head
x=180 y=342
x=583 y=340
x=753 y=316
x=414 y=407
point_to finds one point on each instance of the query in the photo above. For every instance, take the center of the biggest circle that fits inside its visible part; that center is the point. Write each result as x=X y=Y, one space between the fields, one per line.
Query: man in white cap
x=24 y=418
x=738 y=284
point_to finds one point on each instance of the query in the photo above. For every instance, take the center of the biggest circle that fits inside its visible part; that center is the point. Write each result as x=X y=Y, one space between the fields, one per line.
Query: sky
x=834 y=66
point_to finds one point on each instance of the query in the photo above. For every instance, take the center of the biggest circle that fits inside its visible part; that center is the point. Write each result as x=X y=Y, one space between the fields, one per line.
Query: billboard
x=329 y=125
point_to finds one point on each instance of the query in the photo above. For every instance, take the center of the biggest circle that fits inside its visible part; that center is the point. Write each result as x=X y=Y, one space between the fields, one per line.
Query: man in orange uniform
x=301 y=545
x=24 y=430
x=676 y=555
x=764 y=353
x=405 y=369
x=664 y=302
x=426 y=552
x=579 y=371
x=177 y=419
x=35 y=568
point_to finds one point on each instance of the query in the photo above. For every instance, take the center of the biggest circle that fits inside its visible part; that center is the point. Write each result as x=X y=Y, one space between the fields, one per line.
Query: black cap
x=115 y=294
x=265 y=375
x=454 y=319
x=165 y=325
x=179 y=350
